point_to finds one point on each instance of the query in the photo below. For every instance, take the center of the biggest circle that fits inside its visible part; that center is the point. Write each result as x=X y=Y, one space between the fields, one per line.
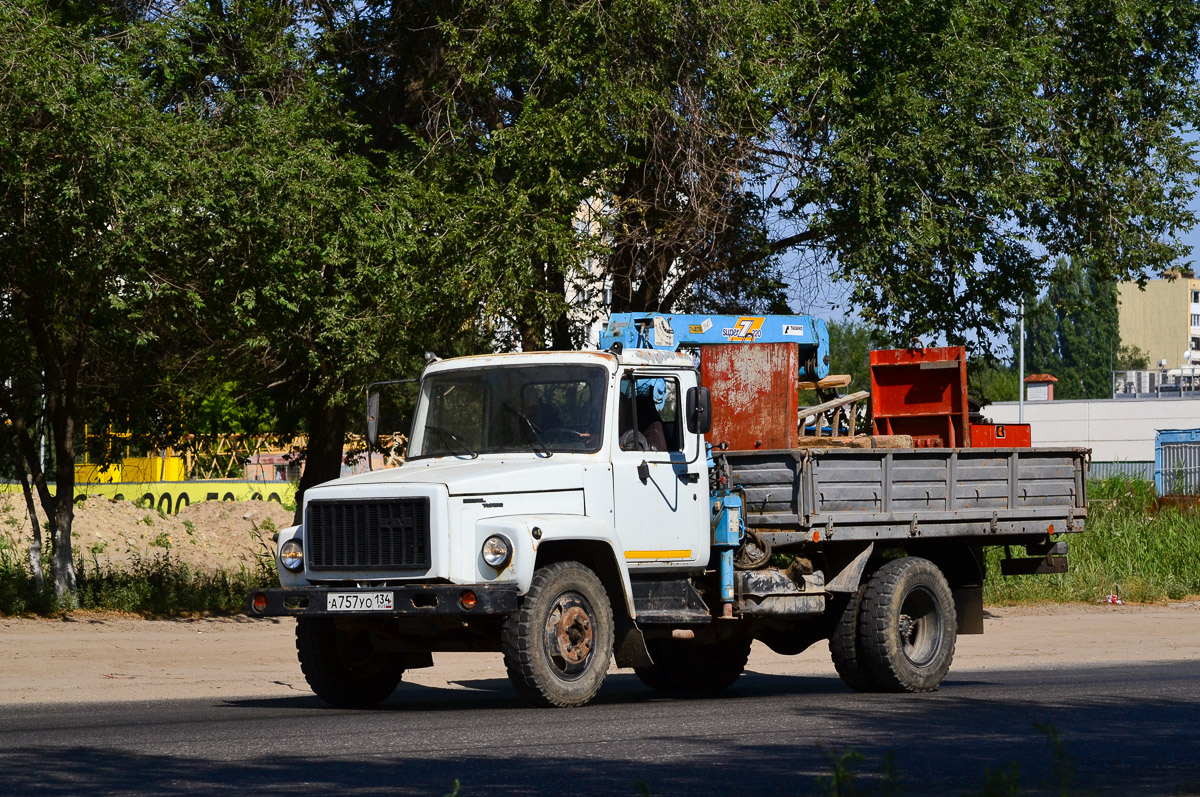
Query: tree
x=936 y=157
x=90 y=173
x=942 y=152
x=1071 y=332
x=1131 y=358
x=337 y=262
x=932 y=155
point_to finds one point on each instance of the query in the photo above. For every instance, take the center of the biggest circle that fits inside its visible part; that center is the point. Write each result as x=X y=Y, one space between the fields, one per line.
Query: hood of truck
x=483 y=476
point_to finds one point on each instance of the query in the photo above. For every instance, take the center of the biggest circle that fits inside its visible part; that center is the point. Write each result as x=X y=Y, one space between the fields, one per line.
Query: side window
x=649 y=414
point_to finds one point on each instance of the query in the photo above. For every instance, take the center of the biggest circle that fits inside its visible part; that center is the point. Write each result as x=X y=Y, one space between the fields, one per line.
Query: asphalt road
x=1126 y=730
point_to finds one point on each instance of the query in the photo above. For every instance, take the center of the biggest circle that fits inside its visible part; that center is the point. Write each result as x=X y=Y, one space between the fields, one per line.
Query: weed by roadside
x=158 y=585
x=163 y=586
x=1127 y=550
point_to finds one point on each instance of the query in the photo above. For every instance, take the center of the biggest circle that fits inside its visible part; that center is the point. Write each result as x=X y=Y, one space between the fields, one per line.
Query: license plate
x=358 y=601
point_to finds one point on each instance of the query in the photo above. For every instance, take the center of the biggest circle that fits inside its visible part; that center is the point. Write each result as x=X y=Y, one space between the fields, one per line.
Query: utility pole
x=1021 y=372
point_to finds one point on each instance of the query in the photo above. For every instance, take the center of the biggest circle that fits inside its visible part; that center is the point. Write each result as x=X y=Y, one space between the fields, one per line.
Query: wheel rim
x=920 y=626
x=569 y=635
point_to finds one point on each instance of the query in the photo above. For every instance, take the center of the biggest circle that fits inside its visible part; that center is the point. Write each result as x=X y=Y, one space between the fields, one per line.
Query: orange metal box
x=1003 y=435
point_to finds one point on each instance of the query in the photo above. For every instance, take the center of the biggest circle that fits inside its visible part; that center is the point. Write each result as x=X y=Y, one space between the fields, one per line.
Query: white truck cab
x=515 y=462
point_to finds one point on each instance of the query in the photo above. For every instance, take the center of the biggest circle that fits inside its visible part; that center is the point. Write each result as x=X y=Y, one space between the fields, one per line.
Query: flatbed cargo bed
x=999 y=495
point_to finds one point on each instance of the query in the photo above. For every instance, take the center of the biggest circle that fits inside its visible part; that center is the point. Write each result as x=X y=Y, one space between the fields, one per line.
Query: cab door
x=660 y=488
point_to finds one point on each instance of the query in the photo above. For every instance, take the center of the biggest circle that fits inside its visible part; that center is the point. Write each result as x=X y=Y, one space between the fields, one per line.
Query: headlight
x=291 y=555
x=496 y=551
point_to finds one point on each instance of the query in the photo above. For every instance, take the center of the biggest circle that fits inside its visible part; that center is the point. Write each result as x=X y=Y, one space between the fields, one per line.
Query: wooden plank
x=833 y=381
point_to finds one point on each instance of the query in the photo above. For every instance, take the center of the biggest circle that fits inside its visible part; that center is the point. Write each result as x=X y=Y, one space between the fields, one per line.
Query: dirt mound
x=210 y=535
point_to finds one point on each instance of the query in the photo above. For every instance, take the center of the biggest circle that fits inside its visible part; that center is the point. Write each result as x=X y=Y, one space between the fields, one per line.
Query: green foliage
x=157 y=586
x=989 y=381
x=1063 y=768
x=94 y=188
x=1128 y=549
x=842 y=781
x=1071 y=332
x=955 y=145
x=1004 y=781
x=1001 y=781
x=162 y=586
x=1131 y=358
x=242 y=213
x=850 y=346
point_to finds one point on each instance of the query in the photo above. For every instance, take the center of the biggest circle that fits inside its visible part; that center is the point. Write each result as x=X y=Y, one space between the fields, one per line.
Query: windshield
x=540 y=409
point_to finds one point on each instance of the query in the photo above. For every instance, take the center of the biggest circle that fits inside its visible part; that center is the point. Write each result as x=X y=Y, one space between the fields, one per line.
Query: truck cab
x=515 y=463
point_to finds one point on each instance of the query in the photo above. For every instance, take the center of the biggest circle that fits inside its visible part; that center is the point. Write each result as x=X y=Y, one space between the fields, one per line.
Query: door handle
x=643 y=471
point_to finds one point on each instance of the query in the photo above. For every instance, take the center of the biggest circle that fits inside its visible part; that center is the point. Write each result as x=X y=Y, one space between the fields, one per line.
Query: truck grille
x=371 y=535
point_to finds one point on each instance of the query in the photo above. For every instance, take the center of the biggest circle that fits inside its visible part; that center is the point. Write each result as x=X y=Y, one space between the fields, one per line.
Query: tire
x=845 y=647
x=694 y=669
x=342 y=667
x=558 y=643
x=907 y=626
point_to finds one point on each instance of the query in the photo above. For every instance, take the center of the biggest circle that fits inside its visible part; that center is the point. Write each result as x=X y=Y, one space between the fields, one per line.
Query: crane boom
x=671 y=331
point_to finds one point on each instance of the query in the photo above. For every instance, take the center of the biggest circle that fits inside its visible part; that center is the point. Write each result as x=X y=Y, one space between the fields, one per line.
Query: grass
x=156 y=586
x=1128 y=549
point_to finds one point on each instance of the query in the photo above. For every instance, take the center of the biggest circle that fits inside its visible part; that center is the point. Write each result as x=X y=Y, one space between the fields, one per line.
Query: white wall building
x=1117 y=430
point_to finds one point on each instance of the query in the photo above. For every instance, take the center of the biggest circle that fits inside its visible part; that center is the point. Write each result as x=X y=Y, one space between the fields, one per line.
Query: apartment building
x=1163 y=320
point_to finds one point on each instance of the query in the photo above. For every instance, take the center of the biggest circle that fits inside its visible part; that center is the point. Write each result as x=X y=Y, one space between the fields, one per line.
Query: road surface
x=102 y=704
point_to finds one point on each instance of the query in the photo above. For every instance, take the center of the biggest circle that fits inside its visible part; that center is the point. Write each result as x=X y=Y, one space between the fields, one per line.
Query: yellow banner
x=170 y=497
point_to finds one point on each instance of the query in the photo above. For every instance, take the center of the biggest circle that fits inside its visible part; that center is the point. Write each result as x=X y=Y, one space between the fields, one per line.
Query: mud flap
x=629 y=646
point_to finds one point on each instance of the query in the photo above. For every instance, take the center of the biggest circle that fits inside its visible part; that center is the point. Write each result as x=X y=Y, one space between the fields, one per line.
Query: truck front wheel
x=907 y=625
x=558 y=643
x=342 y=666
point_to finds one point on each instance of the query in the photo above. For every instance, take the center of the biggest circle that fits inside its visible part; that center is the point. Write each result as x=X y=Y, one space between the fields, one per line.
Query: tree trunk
x=323 y=459
x=35 y=532
x=62 y=420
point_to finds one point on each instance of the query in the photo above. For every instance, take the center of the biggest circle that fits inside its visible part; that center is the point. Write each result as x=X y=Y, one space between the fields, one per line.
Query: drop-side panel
x=882 y=493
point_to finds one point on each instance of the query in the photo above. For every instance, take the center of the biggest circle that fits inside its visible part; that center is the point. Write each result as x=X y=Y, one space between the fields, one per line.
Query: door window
x=649 y=414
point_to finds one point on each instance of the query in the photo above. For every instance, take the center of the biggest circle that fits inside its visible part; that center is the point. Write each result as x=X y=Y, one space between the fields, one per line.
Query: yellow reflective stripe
x=658 y=554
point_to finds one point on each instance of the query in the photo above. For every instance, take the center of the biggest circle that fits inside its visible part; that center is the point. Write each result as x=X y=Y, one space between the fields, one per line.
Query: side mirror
x=372 y=420
x=698 y=408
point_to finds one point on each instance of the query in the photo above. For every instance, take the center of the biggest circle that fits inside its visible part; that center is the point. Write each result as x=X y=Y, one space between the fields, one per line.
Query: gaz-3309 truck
x=566 y=509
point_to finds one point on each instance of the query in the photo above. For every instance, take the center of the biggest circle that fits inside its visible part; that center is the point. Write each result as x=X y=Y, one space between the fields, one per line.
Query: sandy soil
x=91 y=657
x=211 y=534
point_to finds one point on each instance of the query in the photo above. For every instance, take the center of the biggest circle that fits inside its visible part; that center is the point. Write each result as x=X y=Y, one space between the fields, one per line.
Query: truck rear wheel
x=908 y=626
x=845 y=646
x=697 y=669
x=341 y=666
x=558 y=643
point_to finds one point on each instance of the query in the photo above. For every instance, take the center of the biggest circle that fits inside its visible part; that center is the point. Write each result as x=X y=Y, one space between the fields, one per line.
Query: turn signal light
x=260 y=602
x=468 y=599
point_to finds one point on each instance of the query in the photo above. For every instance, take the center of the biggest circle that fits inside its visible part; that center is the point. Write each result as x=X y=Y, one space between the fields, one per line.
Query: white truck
x=564 y=508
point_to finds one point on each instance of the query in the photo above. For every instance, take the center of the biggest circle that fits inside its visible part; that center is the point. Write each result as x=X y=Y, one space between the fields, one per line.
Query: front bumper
x=411 y=600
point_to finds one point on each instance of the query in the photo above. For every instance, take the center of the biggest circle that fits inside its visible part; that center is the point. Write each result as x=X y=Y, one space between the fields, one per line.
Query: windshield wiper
x=535 y=437
x=461 y=443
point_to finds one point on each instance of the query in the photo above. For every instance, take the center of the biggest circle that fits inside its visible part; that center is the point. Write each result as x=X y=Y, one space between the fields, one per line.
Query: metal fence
x=1129 y=470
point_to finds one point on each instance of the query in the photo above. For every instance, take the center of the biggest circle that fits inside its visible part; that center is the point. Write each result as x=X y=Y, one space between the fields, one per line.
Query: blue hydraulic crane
x=673 y=331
